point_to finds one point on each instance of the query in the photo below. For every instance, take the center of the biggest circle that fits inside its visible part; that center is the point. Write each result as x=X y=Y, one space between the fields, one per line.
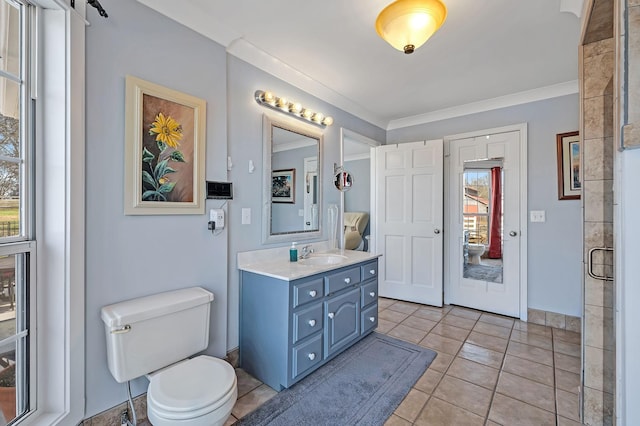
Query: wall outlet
x=537 y=216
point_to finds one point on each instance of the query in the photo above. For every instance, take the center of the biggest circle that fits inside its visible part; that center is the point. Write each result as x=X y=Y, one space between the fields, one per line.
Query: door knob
x=513 y=233
x=436 y=231
x=331 y=315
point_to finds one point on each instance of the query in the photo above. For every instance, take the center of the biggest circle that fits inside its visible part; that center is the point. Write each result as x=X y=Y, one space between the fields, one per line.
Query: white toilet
x=475 y=251
x=154 y=336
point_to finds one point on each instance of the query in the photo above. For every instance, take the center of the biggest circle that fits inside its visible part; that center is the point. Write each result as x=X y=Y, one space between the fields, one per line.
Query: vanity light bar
x=269 y=100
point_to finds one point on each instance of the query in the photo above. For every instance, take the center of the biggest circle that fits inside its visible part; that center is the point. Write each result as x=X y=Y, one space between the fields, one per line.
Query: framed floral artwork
x=165 y=150
x=283 y=186
x=569 y=177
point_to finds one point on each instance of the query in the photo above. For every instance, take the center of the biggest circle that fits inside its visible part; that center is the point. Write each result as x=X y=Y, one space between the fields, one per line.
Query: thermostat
x=220 y=190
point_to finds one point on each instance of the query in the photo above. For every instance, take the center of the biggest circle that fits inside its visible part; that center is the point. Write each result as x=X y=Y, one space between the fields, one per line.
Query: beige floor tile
x=385 y=326
x=412 y=405
x=532 y=353
x=465 y=395
x=385 y=303
x=568 y=405
x=252 y=400
x=568 y=363
x=465 y=313
x=490 y=342
x=396 y=421
x=481 y=355
x=526 y=390
x=473 y=372
x=492 y=330
x=428 y=382
x=497 y=320
x=441 y=413
x=404 y=307
x=567 y=422
x=407 y=333
x=566 y=336
x=566 y=348
x=567 y=381
x=441 y=343
x=532 y=339
x=542 y=330
x=509 y=411
x=230 y=421
x=429 y=314
x=442 y=361
x=459 y=321
x=246 y=382
x=451 y=332
x=490 y=423
x=419 y=323
x=392 y=316
x=529 y=369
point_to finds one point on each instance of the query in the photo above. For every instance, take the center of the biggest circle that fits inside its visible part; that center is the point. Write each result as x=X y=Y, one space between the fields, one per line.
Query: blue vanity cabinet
x=288 y=329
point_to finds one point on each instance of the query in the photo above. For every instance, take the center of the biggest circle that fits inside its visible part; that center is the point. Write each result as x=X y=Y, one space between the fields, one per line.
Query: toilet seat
x=192 y=388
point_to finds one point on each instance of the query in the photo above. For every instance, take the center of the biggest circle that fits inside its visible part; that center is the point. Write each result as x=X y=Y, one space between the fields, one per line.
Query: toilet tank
x=152 y=332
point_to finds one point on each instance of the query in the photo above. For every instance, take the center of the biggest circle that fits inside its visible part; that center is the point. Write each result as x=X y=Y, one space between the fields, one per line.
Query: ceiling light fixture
x=269 y=100
x=408 y=24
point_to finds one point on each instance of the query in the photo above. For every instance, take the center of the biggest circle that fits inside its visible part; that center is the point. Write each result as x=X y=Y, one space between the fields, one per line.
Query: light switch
x=537 y=216
x=301 y=212
x=246 y=216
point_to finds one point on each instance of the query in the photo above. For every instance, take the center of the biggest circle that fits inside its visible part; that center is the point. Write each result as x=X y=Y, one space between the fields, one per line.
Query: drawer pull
x=331 y=315
x=372 y=319
x=347 y=280
x=312 y=323
x=313 y=293
x=372 y=294
x=311 y=356
x=372 y=271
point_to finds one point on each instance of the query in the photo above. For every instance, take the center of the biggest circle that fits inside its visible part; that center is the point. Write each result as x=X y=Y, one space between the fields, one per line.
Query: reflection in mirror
x=482 y=220
x=292 y=181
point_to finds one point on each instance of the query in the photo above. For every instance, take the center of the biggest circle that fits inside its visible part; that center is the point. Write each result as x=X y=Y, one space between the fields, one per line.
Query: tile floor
x=490 y=370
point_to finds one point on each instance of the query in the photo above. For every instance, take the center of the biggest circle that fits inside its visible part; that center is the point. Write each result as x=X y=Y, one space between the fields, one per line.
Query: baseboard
x=555 y=320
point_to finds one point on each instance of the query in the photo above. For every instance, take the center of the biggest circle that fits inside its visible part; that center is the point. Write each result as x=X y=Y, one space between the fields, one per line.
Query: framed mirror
x=292 y=154
x=342 y=180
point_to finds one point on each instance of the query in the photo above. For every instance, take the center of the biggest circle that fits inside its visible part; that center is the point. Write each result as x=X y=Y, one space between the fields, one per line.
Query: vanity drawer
x=369 y=293
x=369 y=270
x=306 y=322
x=369 y=318
x=343 y=279
x=307 y=292
x=306 y=355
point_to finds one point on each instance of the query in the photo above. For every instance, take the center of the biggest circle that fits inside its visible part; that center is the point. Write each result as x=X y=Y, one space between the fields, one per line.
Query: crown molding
x=541 y=93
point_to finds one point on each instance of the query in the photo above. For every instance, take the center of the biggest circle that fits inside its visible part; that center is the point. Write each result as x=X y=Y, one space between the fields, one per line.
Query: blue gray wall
x=358 y=198
x=555 y=247
x=132 y=256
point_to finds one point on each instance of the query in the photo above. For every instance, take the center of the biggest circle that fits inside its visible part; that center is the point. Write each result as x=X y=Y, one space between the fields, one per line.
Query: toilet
x=154 y=336
x=475 y=251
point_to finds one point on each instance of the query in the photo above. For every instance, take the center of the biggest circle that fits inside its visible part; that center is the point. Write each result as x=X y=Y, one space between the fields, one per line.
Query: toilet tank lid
x=144 y=308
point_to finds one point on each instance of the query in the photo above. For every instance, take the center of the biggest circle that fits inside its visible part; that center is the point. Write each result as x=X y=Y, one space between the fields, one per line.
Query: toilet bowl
x=197 y=392
x=475 y=251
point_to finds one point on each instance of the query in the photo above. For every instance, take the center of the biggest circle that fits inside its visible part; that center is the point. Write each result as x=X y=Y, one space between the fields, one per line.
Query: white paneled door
x=409 y=182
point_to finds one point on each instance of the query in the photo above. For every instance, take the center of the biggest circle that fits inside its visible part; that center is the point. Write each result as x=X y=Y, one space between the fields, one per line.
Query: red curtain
x=495 y=239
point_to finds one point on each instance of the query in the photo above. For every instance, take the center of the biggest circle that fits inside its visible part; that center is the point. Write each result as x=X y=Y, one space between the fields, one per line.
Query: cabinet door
x=342 y=316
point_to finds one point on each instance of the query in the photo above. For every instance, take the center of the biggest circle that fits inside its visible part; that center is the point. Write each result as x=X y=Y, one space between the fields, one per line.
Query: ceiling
x=488 y=53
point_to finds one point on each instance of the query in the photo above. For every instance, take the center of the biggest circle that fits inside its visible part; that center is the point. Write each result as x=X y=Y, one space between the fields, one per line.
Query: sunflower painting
x=165 y=164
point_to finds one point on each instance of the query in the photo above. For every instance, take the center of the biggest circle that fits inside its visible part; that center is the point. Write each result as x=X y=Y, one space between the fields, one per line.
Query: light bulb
x=268 y=97
x=328 y=121
x=295 y=107
x=318 y=117
x=307 y=113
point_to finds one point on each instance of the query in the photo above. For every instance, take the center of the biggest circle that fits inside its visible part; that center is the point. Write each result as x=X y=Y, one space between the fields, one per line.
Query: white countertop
x=275 y=262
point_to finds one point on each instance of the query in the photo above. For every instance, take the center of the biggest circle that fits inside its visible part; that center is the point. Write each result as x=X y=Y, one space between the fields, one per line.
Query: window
x=17 y=248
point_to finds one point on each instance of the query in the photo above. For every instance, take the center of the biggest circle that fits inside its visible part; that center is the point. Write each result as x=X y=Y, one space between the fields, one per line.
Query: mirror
x=343 y=181
x=482 y=214
x=292 y=189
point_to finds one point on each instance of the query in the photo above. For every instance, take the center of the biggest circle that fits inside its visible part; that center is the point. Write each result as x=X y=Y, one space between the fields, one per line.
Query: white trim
x=572 y=6
x=522 y=129
x=541 y=93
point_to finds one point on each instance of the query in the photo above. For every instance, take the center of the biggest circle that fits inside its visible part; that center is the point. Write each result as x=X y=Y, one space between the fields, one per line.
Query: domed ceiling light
x=408 y=24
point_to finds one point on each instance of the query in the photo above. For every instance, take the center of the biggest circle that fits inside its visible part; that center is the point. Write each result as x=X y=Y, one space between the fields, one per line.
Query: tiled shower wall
x=598 y=341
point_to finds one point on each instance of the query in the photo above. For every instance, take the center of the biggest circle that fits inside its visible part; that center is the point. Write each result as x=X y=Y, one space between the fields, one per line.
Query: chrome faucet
x=306 y=252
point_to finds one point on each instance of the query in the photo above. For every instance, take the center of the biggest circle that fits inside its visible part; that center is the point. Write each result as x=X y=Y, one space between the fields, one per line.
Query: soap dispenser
x=293 y=253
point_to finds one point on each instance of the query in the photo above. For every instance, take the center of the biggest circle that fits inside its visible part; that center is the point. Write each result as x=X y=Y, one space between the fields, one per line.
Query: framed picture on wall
x=283 y=186
x=569 y=176
x=164 y=151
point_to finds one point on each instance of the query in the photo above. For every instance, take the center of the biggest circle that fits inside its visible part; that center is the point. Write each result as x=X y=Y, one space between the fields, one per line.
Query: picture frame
x=283 y=186
x=164 y=150
x=569 y=173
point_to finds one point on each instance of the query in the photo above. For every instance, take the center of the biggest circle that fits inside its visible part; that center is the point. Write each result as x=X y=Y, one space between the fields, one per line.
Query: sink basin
x=323 y=259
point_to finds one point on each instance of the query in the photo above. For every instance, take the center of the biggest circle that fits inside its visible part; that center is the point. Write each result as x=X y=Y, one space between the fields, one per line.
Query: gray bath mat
x=362 y=386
